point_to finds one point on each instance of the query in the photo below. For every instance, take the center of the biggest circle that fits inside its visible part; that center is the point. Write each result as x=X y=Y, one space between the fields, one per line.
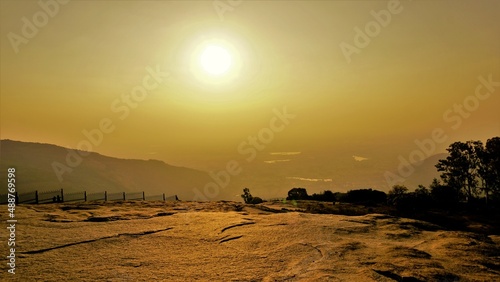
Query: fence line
x=171 y=198
x=50 y=196
x=58 y=196
x=75 y=196
x=156 y=198
x=99 y=196
x=27 y=198
x=135 y=196
x=116 y=196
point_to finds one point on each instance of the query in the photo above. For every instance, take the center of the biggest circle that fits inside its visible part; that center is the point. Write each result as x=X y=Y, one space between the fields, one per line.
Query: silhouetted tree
x=443 y=196
x=422 y=198
x=395 y=194
x=460 y=168
x=489 y=168
x=297 y=194
x=422 y=191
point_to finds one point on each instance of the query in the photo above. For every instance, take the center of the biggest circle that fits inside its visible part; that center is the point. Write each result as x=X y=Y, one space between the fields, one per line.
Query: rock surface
x=228 y=241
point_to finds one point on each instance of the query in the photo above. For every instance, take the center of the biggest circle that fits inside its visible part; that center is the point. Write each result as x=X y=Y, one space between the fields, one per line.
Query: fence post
x=36 y=196
x=62 y=196
x=85 y=195
x=143 y=196
x=164 y=197
x=105 y=196
x=124 y=196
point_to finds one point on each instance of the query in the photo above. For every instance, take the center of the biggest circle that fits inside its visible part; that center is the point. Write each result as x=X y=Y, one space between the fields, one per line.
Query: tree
x=422 y=197
x=460 y=170
x=442 y=195
x=422 y=191
x=493 y=151
x=396 y=193
x=489 y=168
x=297 y=194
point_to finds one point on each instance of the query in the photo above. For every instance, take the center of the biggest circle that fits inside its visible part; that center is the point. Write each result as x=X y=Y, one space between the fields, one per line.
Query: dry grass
x=227 y=241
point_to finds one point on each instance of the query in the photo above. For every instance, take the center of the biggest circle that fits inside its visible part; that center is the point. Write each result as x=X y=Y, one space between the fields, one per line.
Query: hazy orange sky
x=354 y=113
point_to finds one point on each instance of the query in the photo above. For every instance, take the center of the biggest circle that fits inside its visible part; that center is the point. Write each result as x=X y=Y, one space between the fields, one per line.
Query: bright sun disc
x=215 y=60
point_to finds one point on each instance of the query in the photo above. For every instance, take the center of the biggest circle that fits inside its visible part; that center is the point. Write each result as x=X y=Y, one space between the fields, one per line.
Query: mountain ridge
x=35 y=170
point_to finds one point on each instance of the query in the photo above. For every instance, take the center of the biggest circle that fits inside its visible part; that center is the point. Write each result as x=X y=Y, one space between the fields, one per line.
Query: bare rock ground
x=228 y=241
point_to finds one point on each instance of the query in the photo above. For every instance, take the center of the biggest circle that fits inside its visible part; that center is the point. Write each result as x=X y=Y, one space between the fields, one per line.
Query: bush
x=249 y=199
x=297 y=194
x=326 y=196
x=444 y=196
x=367 y=197
x=256 y=200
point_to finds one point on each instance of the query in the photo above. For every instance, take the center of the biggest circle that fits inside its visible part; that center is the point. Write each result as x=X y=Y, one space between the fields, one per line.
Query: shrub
x=297 y=194
x=256 y=200
x=366 y=197
x=249 y=199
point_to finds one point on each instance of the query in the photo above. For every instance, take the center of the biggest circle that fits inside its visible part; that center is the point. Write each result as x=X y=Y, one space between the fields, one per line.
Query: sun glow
x=215 y=62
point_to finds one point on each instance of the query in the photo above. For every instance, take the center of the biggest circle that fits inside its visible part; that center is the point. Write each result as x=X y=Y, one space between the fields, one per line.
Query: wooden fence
x=58 y=196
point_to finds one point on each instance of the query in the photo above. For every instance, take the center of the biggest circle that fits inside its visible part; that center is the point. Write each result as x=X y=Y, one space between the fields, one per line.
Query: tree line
x=470 y=176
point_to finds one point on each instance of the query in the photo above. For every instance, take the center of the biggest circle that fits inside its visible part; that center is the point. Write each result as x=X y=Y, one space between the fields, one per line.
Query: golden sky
x=407 y=64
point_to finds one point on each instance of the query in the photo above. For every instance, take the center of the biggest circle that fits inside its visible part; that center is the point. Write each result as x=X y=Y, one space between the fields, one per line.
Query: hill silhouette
x=34 y=171
x=425 y=171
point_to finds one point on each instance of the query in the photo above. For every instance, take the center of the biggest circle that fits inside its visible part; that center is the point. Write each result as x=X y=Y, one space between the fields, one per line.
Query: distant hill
x=34 y=171
x=425 y=172
x=96 y=173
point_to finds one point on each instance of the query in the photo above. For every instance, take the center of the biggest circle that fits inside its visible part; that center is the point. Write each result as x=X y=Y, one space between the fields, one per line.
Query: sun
x=215 y=60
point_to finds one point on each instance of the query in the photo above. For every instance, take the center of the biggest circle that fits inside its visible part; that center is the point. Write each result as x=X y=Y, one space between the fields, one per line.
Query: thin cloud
x=359 y=159
x=276 y=161
x=311 y=179
x=285 y=153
